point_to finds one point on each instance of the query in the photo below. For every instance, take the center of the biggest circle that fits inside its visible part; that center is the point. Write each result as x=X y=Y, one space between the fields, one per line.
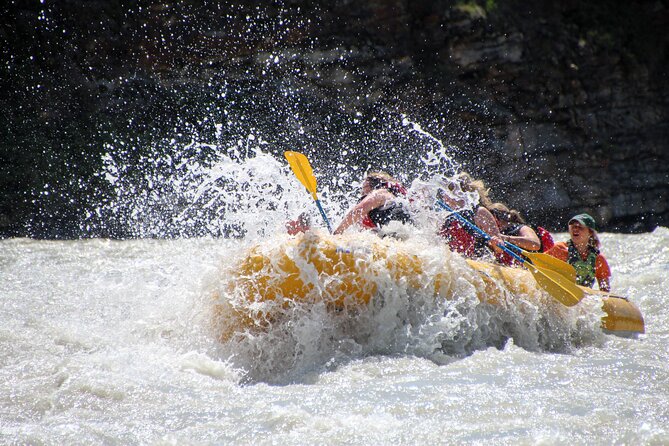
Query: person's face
x=452 y=195
x=578 y=232
x=366 y=187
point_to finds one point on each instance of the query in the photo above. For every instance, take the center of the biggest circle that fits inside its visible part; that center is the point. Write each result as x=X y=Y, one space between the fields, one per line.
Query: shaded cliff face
x=561 y=108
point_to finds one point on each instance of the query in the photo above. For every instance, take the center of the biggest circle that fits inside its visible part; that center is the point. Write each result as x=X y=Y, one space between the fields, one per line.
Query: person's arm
x=604 y=285
x=484 y=220
x=603 y=273
x=526 y=239
x=373 y=200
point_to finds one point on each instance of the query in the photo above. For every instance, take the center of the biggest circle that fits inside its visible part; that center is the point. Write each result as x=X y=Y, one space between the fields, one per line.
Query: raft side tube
x=336 y=270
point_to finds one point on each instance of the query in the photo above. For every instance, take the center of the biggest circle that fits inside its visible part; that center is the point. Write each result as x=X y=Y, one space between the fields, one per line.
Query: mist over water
x=243 y=187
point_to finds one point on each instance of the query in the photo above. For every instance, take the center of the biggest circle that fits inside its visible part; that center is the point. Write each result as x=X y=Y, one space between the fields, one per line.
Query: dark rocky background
x=561 y=107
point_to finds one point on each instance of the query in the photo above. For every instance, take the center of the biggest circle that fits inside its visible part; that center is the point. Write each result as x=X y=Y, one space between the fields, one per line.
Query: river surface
x=111 y=342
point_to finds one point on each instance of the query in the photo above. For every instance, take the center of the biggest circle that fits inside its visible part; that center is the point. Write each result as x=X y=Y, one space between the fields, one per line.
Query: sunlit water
x=120 y=342
x=111 y=342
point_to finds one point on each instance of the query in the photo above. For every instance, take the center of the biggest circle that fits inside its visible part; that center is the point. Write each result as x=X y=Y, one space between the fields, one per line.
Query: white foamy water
x=111 y=342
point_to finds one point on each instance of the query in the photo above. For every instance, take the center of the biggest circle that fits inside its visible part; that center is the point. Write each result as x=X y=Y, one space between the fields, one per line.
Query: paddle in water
x=303 y=171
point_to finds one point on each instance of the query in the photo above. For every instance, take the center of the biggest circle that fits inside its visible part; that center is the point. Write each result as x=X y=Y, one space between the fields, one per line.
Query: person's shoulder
x=559 y=248
x=525 y=228
x=482 y=210
x=602 y=268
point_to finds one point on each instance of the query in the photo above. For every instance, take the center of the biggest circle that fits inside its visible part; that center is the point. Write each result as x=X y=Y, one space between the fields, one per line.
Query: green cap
x=584 y=219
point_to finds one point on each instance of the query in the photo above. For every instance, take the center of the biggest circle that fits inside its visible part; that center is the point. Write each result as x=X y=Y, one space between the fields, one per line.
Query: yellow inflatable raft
x=344 y=271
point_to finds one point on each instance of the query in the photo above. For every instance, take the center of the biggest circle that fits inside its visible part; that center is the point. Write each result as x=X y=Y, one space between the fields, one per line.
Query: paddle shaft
x=480 y=231
x=560 y=287
x=327 y=222
x=536 y=258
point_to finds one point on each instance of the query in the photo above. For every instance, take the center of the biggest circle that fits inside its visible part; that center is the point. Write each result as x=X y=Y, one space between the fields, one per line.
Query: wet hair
x=383 y=180
x=469 y=184
x=501 y=212
x=378 y=179
x=593 y=241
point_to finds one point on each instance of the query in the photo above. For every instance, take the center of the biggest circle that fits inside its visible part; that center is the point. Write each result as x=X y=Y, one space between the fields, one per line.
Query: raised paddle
x=303 y=171
x=560 y=287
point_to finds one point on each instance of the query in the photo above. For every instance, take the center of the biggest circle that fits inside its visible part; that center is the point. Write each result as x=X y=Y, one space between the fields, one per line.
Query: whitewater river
x=111 y=342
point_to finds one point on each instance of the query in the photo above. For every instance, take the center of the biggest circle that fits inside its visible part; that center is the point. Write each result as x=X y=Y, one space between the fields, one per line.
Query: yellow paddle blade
x=557 y=285
x=548 y=262
x=302 y=170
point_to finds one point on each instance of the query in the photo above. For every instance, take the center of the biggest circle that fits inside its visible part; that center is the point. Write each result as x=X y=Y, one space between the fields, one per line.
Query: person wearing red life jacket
x=458 y=235
x=514 y=230
x=381 y=202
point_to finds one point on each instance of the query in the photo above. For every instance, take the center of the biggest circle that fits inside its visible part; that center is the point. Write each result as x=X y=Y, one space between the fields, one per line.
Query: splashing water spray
x=428 y=304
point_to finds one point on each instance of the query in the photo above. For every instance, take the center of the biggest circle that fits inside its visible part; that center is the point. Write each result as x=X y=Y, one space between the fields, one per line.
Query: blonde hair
x=383 y=180
x=469 y=184
x=501 y=212
x=379 y=177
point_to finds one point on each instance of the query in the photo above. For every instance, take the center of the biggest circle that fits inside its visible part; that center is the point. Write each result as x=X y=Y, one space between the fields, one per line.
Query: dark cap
x=584 y=219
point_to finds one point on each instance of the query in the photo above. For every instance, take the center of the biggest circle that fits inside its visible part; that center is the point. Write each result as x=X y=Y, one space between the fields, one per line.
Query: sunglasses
x=501 y=215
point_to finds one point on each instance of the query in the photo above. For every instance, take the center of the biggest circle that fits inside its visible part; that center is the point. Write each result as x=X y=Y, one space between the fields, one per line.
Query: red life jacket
x=461 y=238
x=367 y=223
x=545 y=237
